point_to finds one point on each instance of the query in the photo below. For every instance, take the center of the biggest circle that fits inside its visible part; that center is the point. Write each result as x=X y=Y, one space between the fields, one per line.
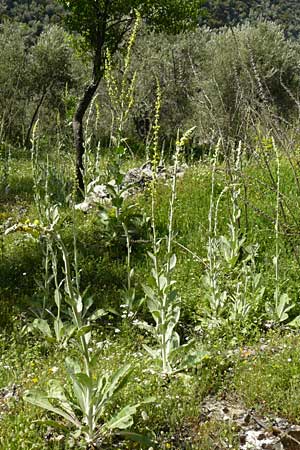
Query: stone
x=136 y=180
x=291 y=444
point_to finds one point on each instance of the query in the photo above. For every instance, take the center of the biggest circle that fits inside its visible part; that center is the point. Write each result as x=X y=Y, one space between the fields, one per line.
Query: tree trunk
x=32 y=122
x=78 y=130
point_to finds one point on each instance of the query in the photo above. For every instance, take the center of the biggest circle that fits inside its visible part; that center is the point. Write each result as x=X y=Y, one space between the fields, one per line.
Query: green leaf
x=111 y=190
x=84 y=330
x=57 y=297
x=79 y=304
x=135 y=437
x=117 y=202
x=80 y=390
x=156 y=314
x=43 y=326
x=39 y=398
x=97 y=314
x=162 y=282
x=84 y=380
x=52 y=423
x=72 y=365
x=152 y=256
x=154 y=353
x=56 y=391
x=172 y=262
x=88 y=302
x=95 y=358
x=283 y=307
x=145 y=326
x=149 y=291
x=112 y=311
x=295 y=322
x=123 y=419
x=58 y=328
x=173 y=340
x=111 y=386
x=192 y=360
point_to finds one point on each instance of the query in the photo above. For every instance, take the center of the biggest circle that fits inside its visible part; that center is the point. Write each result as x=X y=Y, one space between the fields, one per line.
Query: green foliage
x=245 y=82
x=259 y=87
x=273 y=369
x=90 y=18
x=38 y=74
x=89 y=393
x=178 y=397
x=35 y=15
x=223 y=13
x=227 y=12
x=220 y=247
x=12 y=65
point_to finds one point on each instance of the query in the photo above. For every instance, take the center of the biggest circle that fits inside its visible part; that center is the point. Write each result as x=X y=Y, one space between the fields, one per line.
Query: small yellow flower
x=35 y=380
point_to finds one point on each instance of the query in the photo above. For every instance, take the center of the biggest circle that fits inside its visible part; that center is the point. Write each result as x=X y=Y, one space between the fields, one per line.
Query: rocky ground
x=255 y=432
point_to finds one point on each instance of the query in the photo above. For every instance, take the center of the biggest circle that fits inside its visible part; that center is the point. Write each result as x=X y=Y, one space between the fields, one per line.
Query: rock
x=98 y=194
x=256 y=439
x=136 y=180
x=289 y=441
x=255 y=433
x=84 y=206
x=100 y=191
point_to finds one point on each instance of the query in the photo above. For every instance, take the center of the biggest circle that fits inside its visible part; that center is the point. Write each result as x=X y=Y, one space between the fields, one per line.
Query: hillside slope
x=232 y=12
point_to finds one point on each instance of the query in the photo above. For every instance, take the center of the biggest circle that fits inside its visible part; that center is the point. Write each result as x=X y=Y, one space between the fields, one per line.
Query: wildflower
x=145 y=415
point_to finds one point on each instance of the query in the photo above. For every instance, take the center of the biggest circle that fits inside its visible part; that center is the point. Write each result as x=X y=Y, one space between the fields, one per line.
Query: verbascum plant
x=82 y=402
x=121 y=93
x=232 y=285
x=279 y=309
x=162 y=299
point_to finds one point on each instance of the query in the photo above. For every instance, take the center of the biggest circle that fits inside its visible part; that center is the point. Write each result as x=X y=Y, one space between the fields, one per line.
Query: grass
x=261 y=368
x=274 y=369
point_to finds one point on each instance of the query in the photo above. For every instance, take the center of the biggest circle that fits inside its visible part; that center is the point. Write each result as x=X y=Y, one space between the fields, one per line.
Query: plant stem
x=277 y=293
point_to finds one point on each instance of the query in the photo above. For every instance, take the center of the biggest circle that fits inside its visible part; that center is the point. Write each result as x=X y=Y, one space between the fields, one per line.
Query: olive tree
x=51 y=64
x=248 y=79
x=33 y=79
x=101 y=26
x=13 y=77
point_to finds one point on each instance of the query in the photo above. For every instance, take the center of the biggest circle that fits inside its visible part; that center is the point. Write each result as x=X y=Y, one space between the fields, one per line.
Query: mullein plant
x=42 y=173
x=279 y=309
x=245 y=289
x=118 y=215
x=232 y=284
x=130 y=301
x=216 y=297
x=40 y=176
x=162 y=299
x=84 y=400
x=121 y=95
x=91 y=173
